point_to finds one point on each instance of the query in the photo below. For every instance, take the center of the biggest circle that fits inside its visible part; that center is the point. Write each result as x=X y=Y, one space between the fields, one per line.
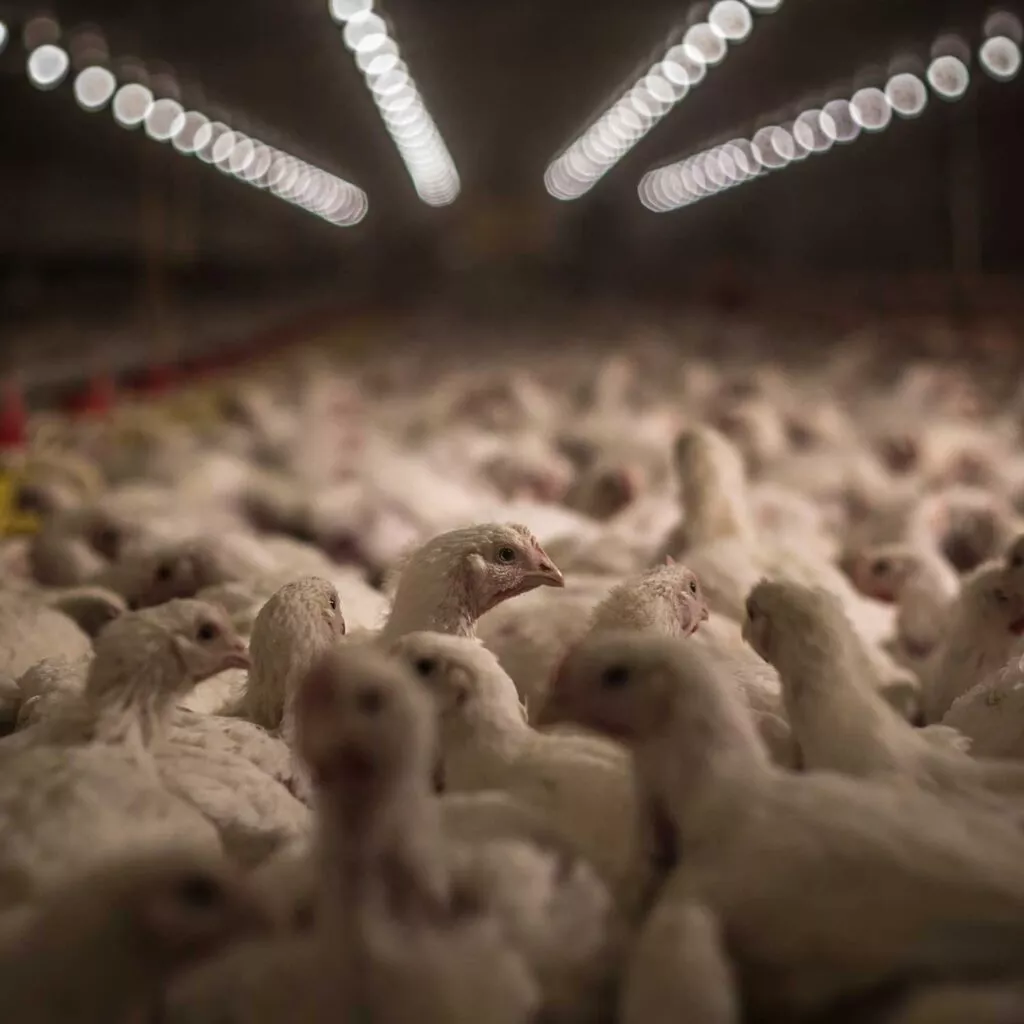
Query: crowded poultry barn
x=515 y=563
x=334 y=698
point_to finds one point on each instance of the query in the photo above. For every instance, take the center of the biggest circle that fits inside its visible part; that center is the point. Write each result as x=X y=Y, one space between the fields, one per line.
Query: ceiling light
x=731 y=20
x=223 y=147
x=679 y=63
x=164 y=120
x=47 y=66
x=775 y=147
x=906 y=94
x=365 y=31
x=379 y=60
x=703 y=44
x=131 y=105
x=810 y=131
x=194 y=134
x=1000 y=57
x=648 y=100
x=949 y=77
x=242 y=156
x=216 y=130
x=838 y=121
x=870 y=109
x=343 y=10
x=94 y=88
x=765 y=149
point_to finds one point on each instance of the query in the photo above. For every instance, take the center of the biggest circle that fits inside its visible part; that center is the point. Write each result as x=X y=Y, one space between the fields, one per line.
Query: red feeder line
x=97 y=399
x=13 y=417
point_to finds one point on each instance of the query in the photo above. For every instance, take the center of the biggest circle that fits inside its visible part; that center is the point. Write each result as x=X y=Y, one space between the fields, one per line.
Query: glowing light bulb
x=704 y=45
x=194 y=134
x=132 y=103
x=343 y=10
x=47 y=66
x=164 y=120
x=906 y=94
x=365 y=31
x=731 y=20
x=948 y=76
x=1000 y=57
x=870 y=109
x=94 y=87
x=840 y=126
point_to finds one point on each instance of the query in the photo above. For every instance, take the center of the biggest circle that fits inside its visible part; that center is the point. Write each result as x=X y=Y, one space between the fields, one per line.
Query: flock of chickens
x=642 y=689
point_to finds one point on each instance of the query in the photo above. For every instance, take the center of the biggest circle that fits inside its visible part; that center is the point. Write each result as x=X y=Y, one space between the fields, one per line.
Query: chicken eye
x=615 y=677
x=107 y=540
x=28 y=499
x=506 y=554
x=207 y=631
x=199 y=892
x=1000 y=596
x=881 y=567
x=334 y=603
x=164 y=572
x=370 y=702
x=693 y=587
x=425 y=666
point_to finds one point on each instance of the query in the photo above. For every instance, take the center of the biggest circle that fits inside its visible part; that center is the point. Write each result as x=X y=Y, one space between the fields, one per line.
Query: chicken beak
x=237 y=655
x=546 y=574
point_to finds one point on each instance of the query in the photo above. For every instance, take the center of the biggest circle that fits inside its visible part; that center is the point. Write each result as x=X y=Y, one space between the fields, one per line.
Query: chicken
x=721 y=545
x=29 y=632
x=839 y=720
x=678 y=970
x=834 y=856
x=990 y=716
x=365 y=731
x=90 y=607
x=301 y=620
x=983 y=632
x=531 y=637
x=448 y=583
x=100 y=947
x=93 y=777
x=486 y=743
x=921 y=584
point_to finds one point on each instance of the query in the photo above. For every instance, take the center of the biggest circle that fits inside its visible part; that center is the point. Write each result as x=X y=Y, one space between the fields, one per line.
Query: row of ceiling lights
x=815 y=131
x=579 y=167
x=248 y=160
x=401 y=107
x=651 y=97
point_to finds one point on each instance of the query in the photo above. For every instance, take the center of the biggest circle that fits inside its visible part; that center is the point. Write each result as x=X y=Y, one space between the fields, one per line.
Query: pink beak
x=237 y=655
x=546 y=574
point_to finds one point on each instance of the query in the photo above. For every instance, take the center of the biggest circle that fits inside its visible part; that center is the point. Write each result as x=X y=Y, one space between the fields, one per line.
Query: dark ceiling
x=509 y=83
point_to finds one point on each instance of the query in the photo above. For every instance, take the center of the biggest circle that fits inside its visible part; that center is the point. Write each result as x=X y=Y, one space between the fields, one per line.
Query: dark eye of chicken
x=199 y=891
x=506 y=555
x=615 y=677
x=207 y=631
